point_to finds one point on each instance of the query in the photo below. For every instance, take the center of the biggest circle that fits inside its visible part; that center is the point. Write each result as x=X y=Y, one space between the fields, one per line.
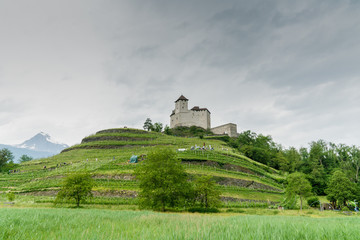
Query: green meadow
x=31 y=223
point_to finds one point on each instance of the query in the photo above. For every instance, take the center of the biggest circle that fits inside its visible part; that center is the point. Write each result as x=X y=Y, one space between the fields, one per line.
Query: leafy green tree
x=6 y=156
x=162 y=180
x=157 y=127
x=76 y=186
x=167 y=130
x=293 y=159
x=340 y=188
x=25 y=158
x=318 y=179
x=355 y=161
x=283 y=161
x=206 y=193
x=298 y=185
x=148 y=125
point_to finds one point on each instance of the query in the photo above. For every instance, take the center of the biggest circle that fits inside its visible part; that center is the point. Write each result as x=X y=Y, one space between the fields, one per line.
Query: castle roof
x=182 y=98
x=196 y=108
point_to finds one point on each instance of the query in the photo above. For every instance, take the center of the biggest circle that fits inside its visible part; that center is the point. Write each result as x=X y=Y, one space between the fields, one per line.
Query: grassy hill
x=242 y=181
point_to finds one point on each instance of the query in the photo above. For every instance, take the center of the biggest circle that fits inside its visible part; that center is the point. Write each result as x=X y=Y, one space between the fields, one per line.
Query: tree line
x=331 y=169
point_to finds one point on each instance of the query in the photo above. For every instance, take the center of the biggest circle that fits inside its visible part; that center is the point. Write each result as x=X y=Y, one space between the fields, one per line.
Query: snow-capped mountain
x=43 y=142
x=39 y=146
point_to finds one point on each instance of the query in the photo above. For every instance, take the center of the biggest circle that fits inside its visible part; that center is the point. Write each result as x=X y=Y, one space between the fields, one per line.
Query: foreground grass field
x=108 y=224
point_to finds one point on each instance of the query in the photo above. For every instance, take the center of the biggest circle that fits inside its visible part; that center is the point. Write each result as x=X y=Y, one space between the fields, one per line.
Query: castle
x=182 y=116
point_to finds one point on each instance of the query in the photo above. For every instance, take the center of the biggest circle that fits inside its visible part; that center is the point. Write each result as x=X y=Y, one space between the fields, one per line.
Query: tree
x=5 y=157
x=148 y=124
x=340 y=189
x=25 y=158
x=293 y=158
x=157 y=127
x=167 y=130
x=162 y=180
x=76 y=186
x=298 y=185
x=206 y=192
x=355 y=161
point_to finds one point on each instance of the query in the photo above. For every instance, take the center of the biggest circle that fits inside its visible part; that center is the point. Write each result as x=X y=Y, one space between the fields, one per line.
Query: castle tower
x=181 y=104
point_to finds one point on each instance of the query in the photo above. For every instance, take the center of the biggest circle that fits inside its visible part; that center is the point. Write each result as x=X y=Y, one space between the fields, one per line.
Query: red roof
x=182 y=98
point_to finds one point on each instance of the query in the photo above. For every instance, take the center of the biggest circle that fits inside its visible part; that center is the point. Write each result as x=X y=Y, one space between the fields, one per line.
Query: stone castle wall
x=228 y=129
x=191 y=118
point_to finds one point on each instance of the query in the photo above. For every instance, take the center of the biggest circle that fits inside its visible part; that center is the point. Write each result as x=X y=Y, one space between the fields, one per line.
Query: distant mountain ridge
x=39 y=146
x=42 y=142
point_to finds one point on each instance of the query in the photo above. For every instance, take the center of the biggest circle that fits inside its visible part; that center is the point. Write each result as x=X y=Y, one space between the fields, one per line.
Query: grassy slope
x=106 y=153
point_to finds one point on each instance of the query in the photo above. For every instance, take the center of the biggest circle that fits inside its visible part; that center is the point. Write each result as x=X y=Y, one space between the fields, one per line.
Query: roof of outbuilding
x=182 y=98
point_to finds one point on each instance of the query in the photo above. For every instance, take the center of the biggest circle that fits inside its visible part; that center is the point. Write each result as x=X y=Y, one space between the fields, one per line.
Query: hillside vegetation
x=105 y=155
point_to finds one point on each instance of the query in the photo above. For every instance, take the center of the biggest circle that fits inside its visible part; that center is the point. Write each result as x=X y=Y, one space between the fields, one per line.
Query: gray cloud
x=284 y=68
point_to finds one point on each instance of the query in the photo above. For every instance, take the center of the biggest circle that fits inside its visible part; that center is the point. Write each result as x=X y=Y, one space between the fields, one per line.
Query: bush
x=10 y=196
x=345 y=209
x=203 y=210
x=313 y=202
x=275 y=212
x=235 y=210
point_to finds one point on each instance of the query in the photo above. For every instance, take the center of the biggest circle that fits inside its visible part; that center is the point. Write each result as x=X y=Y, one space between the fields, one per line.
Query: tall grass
x=109 y=224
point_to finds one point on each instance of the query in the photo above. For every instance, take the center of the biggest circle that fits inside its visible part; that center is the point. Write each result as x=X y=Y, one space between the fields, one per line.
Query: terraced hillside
x=105 y=155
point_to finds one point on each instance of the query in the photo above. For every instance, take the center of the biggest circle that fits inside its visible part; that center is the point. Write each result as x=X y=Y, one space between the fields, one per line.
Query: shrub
x=275 y=212
x=235 y=210
x=345 y=209
x=203 y=210
x=10 y=196
x=313 y=202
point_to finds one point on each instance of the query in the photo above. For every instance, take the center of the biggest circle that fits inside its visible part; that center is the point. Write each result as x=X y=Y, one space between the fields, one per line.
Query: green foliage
x=259 y=148
x=345 y=209
x=148 y=124
x=157 y=127
x=10 y=196
x=340 y=189
x=192 y=131
x=289 y=201
x=203 y=210
x=235 y=210
x=25 y=158
x=298 y=185
x=76 y=186
x=5 y=157
x=167 y=130
x=313 y=202
x=162 y=180
x=206 y=193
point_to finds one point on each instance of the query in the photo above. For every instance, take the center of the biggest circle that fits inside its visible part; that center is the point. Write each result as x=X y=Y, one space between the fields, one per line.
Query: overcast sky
x=289 y=69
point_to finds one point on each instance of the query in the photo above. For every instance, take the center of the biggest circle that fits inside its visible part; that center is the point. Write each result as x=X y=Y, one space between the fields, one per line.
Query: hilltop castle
x=182 y=116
